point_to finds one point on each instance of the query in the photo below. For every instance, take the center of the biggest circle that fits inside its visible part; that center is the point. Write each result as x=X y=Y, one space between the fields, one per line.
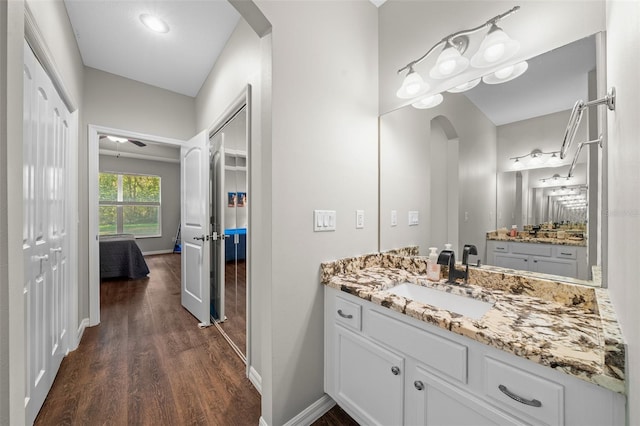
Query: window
x=129 y=204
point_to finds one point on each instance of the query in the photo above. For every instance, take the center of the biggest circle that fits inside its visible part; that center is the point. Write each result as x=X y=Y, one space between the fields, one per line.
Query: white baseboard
x=83 y=324
x=255 y=379
x=312 y=412
x=262 y=422
x=151 y=253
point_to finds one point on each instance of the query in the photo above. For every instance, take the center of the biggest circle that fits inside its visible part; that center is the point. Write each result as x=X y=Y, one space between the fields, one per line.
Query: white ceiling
x=111 y=38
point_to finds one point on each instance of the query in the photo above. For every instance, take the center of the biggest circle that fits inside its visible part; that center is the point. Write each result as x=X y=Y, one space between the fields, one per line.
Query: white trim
x=262 y=422
x=138 y=156
x=255 y=379
x=38 y=44
x=72 y=229
x=151 y=253
x=312 y=412
x=83 y=325
x=93 y=149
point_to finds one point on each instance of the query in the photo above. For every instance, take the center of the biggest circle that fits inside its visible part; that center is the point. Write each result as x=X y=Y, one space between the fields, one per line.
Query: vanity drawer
x=564 y=252
x=531 y=249
x=511 y=389
x=444 y=355
x=348 y=313
x=501 y=247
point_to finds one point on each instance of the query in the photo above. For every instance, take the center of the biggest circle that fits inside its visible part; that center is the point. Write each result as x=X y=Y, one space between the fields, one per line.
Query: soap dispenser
x=433 y=269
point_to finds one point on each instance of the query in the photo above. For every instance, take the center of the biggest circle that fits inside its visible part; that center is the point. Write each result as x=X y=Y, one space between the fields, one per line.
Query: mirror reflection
x=484 y=164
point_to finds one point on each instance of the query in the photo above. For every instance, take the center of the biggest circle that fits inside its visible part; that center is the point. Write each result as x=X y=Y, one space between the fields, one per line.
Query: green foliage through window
x=129 y=204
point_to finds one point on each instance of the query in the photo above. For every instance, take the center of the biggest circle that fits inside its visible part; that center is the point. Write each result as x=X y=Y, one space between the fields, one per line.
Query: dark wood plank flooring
x=235 y=304
x=148 y=363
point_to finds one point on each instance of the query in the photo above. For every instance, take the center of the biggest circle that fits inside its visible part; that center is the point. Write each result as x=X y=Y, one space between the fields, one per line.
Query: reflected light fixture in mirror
x=466 y=86
x=429 y=101
x=117 y=139
x=535 y=159
x=507 y=73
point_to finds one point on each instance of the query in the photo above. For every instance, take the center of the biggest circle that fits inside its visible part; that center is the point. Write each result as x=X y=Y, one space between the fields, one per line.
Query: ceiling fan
x=123 y=140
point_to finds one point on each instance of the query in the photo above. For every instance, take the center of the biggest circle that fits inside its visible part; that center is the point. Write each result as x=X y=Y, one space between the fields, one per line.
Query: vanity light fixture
x=465 y=86
x=535 y=158
x=413 y=85
x=154 y=23
x=555 y=178
x=496 y=47
x=429 y=101
x=507 y=73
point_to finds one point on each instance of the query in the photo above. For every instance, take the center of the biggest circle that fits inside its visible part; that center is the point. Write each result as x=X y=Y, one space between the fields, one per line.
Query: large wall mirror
x=449 y=175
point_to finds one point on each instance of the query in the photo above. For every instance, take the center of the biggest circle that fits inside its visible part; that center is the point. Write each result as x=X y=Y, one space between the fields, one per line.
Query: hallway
x=149 y=363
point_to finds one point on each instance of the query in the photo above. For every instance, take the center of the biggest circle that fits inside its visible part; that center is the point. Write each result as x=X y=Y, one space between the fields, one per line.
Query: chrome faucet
x=448 y=258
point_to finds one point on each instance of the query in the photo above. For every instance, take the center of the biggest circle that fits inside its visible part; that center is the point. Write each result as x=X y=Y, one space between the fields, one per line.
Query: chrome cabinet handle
x=566 y=254
x=44 y=257
x=531 y=402
x=418 y=385
x=343 y=315
x=56 y=250
x=395 y=370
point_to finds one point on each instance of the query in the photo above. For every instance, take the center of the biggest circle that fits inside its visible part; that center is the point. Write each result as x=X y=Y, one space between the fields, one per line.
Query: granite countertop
x=541 y=238
x=570 y=328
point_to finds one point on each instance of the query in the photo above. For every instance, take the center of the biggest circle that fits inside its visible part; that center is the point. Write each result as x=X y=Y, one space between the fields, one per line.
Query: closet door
x=45 y=242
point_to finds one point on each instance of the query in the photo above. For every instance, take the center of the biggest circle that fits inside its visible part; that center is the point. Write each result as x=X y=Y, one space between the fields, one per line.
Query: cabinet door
x=565 y=268
x=433 y=401
x=512 y=261
x=369 y=379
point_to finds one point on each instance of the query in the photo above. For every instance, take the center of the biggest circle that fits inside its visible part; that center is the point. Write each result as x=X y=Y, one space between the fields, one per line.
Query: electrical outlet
x=359 y=219
x=394 y=218
x=413 y=218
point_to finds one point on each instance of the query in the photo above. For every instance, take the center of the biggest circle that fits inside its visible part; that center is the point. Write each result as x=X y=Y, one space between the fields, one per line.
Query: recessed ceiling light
x=154 y=23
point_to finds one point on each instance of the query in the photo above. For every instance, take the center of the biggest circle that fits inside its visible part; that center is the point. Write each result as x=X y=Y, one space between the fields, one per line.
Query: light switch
x=394 y=218
x=413 y=218
x=359 y=219
x=324 y=220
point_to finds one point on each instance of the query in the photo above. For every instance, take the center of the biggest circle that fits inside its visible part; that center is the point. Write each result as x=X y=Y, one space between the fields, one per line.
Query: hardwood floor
x=148 y=363
x=235 y=305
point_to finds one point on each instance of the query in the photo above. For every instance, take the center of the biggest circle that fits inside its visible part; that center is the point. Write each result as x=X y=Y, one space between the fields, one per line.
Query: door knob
x=201 y=238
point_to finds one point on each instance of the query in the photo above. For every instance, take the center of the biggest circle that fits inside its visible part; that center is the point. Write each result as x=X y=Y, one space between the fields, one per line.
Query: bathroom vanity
x=532 y=352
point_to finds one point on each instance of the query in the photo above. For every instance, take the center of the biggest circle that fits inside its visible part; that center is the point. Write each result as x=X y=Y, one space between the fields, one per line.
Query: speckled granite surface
x=567 y=327
x=542 y=238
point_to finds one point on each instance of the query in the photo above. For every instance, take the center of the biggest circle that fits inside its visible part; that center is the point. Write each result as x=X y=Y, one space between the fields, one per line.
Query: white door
x=194 y=182
x=45 y=241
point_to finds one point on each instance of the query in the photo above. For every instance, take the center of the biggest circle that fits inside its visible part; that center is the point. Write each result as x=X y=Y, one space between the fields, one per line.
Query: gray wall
x=121 y=103
x=323 y=156
x=170 y=195
x=623 y=215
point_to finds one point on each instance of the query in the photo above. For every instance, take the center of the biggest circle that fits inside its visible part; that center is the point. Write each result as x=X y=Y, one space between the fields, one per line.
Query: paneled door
x=194 y=169
x=45 y=231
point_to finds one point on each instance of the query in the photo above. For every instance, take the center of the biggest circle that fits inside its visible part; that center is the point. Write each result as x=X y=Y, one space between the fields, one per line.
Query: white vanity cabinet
x=563 y=260
x=385 y=368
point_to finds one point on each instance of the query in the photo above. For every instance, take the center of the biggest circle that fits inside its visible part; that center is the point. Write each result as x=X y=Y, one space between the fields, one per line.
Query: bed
x=120 y=257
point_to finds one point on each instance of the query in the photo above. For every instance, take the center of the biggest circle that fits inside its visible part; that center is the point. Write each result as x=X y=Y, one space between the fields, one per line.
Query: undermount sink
x=466 y=306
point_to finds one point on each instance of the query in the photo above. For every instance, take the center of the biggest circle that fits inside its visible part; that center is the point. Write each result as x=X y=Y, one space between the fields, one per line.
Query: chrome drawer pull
x=566 y=254
x=531 y=402
x=395 y=370
x=343 y=315
x=418 y=385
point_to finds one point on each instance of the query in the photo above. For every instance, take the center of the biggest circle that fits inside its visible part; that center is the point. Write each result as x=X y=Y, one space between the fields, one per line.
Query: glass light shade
x=413 y=85
x=464 y=87
x=117 y=139
x=154 y=23
x=449 y=63
x=429 y=101
x=496 y=47
x=507 y=73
